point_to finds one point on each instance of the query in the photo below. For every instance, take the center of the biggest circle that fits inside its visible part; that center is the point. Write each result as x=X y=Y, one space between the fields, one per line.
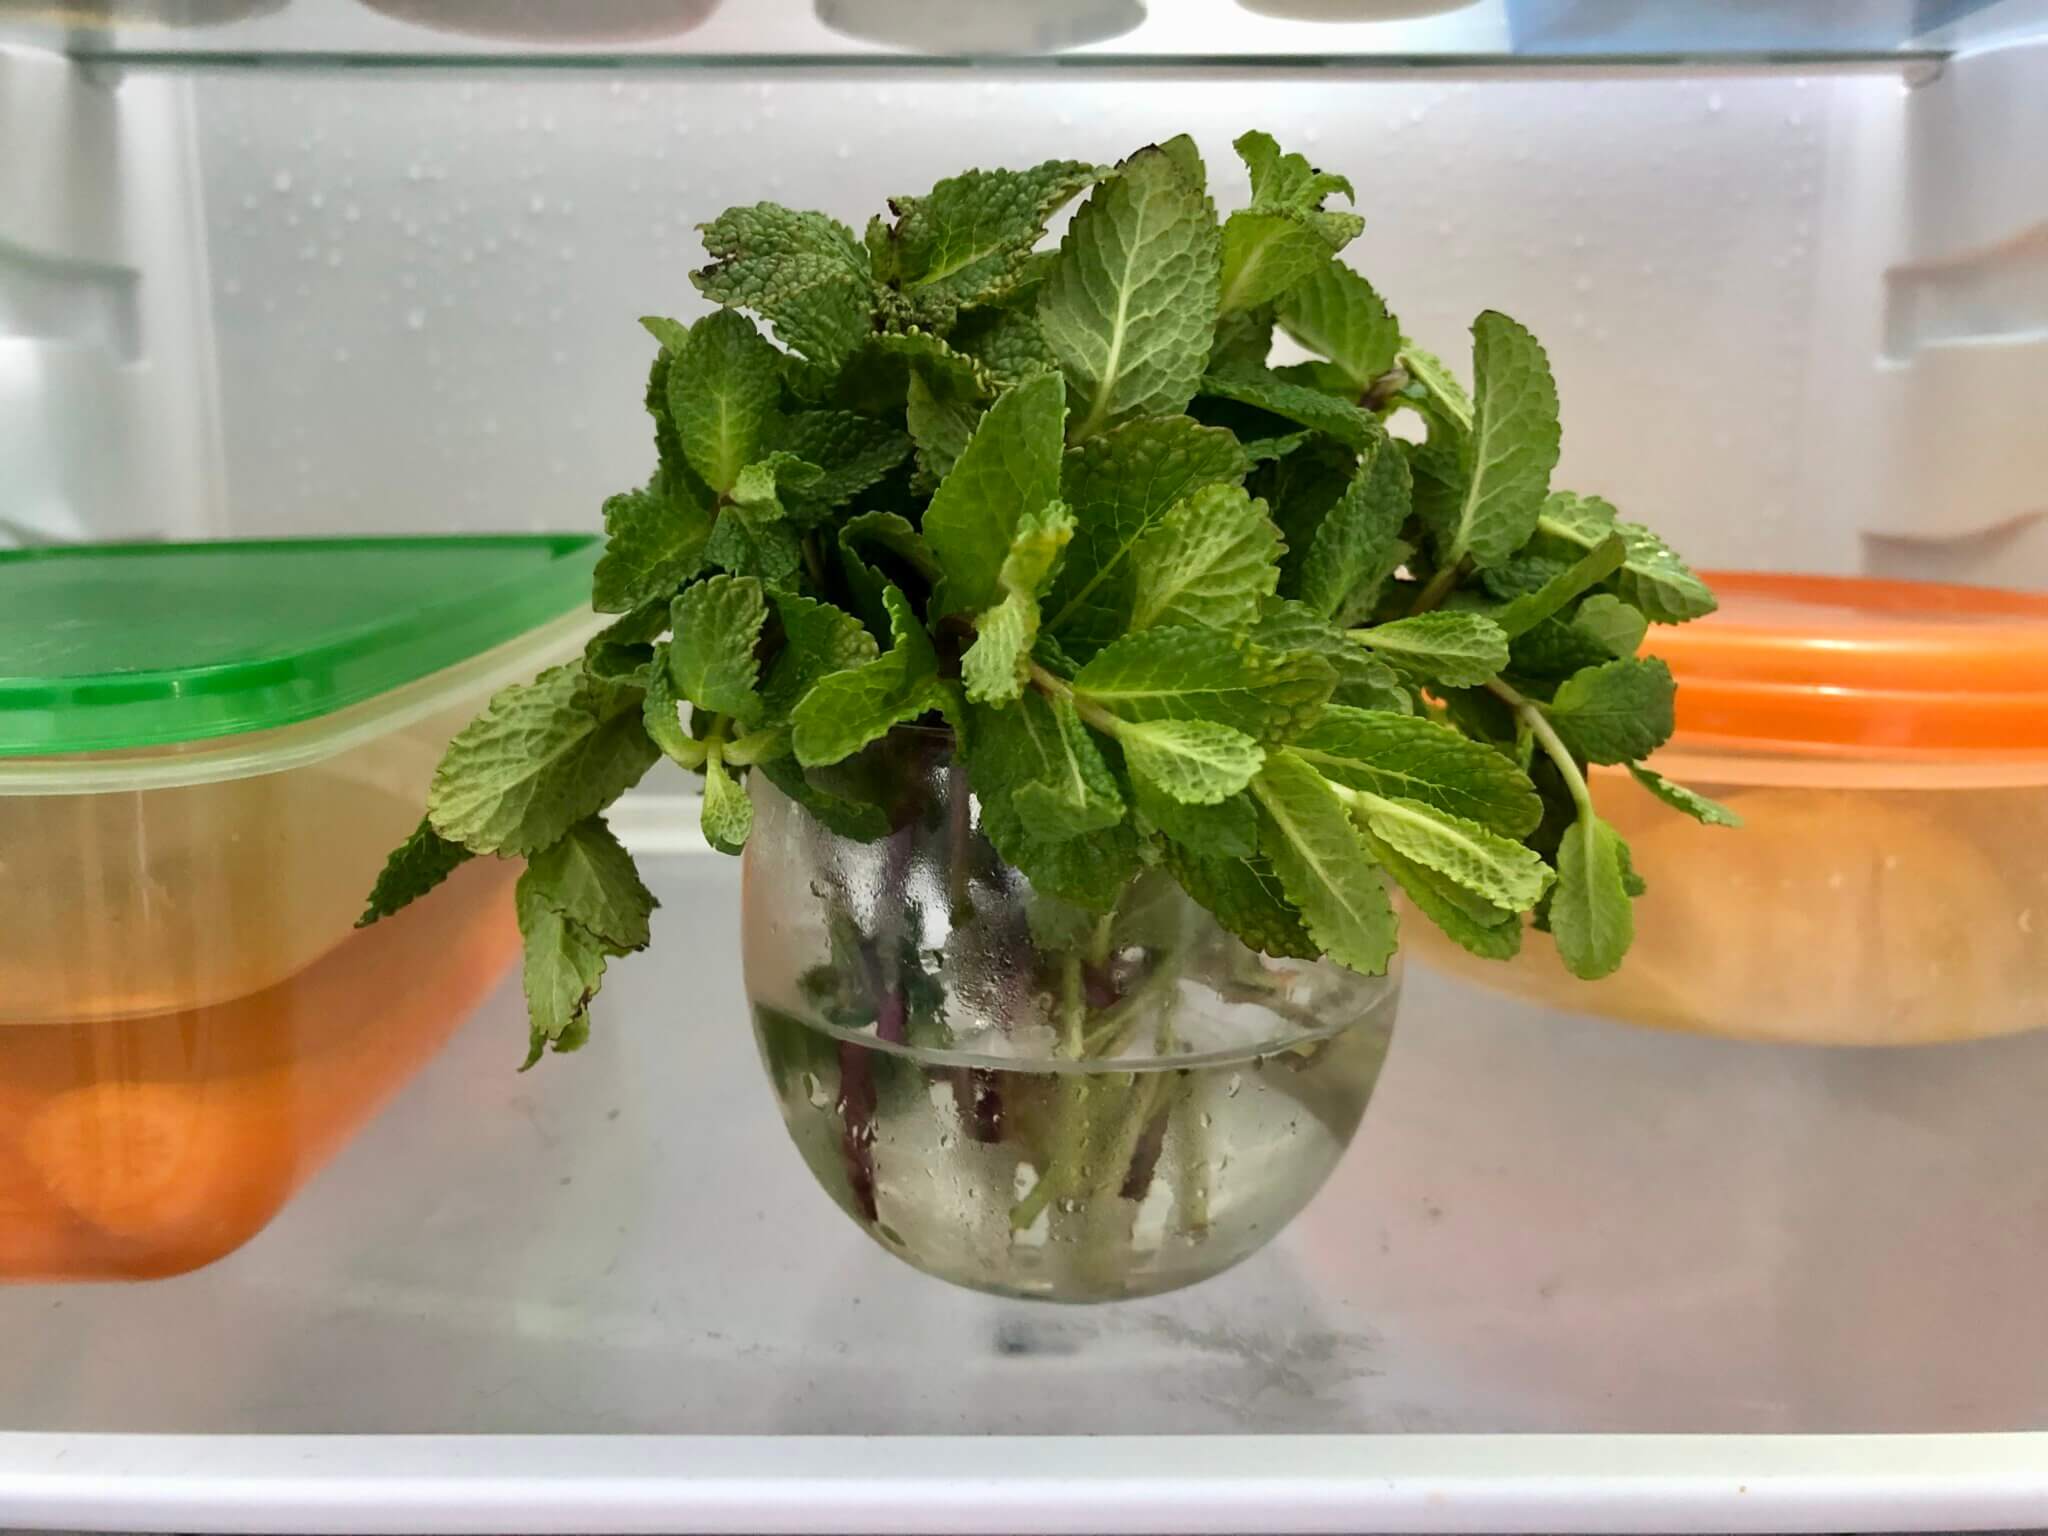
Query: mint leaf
x=1615 y=713
x=1229 y=828
x=1324 y=864
x=1696 y=805
x=1512 y=447
x=539 y=758
x=1336 y=314
x=1524 y=613
x=711 y=659
x=1039 y=753
x=753 y=535
x=1202 y=674
x=1006 y=341
x=995 y=664
x=1120 y=485
x=1652 y=578
x=1494 y=868
x=1311 y=407
x=722 y=396
x=1287 y=183
x=817 y=640
x=941 y=423
x=851 y=451
x=842 y=814
x=874 y=548
x=1590 y=916
x=1208 y=562
x=654 y=542
x=1265 y=254
x=564 y=967
x=1613 y=625
x=1357 y=543
x=1196 y=762
x=1246 y=897
x=1010 y=469
x=1244 y=340
x=804 y=272
x=1459 y=650
x=415 y=867
x=726 y=815
x=844 y=711
x=1406 y=757
x=587 y=876
x=624 y=646
x=967 y=240
x=660 y=718
x=1130 y=305
x=1361 y=681
x=1490 y=932
x=1443 y=395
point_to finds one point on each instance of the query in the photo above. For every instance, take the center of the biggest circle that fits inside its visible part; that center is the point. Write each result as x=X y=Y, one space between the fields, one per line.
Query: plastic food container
x=206 y=752
x=1886 y=744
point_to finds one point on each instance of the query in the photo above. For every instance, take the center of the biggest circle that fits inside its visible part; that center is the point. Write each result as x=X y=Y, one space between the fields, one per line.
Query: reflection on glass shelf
x=1064 y=33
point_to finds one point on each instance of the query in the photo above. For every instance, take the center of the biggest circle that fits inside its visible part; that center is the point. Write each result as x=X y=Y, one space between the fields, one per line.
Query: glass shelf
x=1109 y=35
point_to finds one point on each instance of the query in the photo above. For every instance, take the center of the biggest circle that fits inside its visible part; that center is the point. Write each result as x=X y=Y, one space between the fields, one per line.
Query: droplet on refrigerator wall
x=282 y=181
x=416 y=319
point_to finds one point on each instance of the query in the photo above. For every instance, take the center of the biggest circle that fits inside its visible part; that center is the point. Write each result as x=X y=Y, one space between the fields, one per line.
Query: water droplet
x=1714 y=102
x=416 y=319
x=536 y=204
x=1236 y=1082
x=317 y=200
x=1207 y=1120
x=341 y=354
x=946 y=1140
x=814 y=1090
x=1069 y=1204
x=282 y=181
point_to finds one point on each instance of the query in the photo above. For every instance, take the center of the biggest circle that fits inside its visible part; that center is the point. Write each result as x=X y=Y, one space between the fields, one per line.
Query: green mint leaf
x=1524 y=613
x=563 y=968
x=1227 y=829
x=1090 y=871
x=1494 y=868
x=1120 y=485
x=542 y=756
x=1615 y=713
x=1357 y=544
x=1130 y=306
x=1265 y=254
x=1202 y=674
x=1324 y=864
x=1300 y=489
x=851 y=451
x=1611 y=624
x=1208 y=562
x=1491 y=932
x=1310 y=407
x=844 y=711
x=805 y=273
x=587 y=876
x=670 y=333
x=941 y=423
x=660 y=717
x=1589 y=913
x=1289 y=183
x=877 y=549
x=1440 y=390
x=1459 y=650
x=996 y=663
x=1652 y=578
x=621 y=650
x=1196 y=762
x=415 y=867
x=967 y=240
x=1336 y=314
x=1243 y=341
x=711 y=659
x=817 y=640
x=1407 y=757
x=1006 y=341
x=1245 y=896
x=727 y=814
x=1186 y=157
x=722 y=395
x=753 y=535
x=1507 y=457
x=843 y=814
x=1361 y=681
x=1038 y=754
x=654 y=542
x=1010 y=469
x=1696 y=805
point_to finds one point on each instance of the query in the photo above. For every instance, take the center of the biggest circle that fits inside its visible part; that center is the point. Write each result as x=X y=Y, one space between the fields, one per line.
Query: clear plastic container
x=205 y=753
x=1886 y=745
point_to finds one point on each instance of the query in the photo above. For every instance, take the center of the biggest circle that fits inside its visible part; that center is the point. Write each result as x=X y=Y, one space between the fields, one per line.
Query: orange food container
x=1886 y=745
x=205 y=753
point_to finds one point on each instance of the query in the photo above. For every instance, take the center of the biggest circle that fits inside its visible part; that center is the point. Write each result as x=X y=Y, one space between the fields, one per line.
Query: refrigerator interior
x=317 y=270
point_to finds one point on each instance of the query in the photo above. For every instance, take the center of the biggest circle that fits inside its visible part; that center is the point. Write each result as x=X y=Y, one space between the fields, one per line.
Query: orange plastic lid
x=1842 y=664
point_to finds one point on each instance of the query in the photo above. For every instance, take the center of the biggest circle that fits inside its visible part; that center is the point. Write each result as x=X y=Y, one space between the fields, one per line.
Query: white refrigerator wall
x=424 y=297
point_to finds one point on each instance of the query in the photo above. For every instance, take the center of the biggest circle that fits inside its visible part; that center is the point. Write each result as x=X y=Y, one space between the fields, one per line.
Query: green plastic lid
x=113 y=646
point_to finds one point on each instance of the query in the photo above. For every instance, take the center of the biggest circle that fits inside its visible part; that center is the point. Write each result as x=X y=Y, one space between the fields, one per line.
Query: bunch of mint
x=1178 y=607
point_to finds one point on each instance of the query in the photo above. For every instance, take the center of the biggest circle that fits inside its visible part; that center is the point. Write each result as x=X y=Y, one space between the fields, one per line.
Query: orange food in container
x=1886 y=745
x=205 y=752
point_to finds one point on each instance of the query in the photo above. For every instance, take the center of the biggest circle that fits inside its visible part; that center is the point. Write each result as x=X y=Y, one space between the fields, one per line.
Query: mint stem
x=1530 y=713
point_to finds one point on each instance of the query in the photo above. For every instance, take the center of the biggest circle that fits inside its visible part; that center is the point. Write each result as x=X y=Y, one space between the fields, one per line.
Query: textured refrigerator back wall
x=425 y=297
